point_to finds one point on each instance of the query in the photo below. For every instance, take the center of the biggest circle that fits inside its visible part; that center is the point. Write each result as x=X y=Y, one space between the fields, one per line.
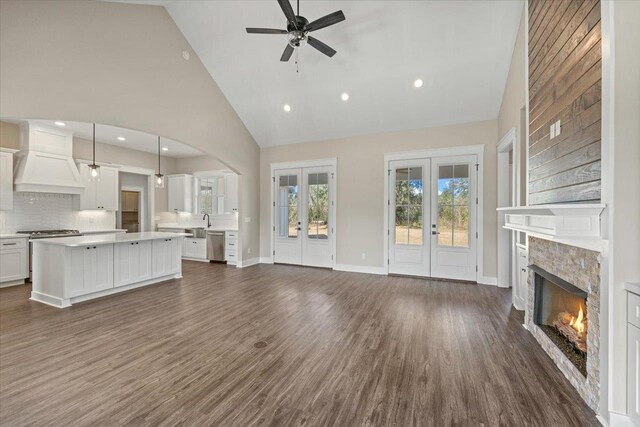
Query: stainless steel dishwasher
x=215 y=246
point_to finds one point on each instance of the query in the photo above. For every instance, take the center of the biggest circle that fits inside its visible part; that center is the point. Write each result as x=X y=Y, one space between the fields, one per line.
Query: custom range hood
x=44 y=163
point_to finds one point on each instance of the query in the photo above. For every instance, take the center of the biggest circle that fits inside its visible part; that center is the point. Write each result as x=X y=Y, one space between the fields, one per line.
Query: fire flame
x=577 y=323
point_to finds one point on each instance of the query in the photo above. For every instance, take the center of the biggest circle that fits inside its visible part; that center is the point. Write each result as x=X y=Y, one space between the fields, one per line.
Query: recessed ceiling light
x=287 y=107
x=418 y=83
x=165 y=148
x=345 y=96
x=60 y=124
x=121 y=138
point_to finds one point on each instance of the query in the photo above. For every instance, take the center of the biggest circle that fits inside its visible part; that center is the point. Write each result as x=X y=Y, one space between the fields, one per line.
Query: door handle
x=434 y=232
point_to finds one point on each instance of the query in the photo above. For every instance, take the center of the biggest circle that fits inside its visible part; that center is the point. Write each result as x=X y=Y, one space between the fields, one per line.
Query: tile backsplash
x=46 y=211
x=185 y=219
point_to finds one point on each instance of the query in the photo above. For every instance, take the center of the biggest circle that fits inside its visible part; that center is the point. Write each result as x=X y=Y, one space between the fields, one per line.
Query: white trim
x=248 y=263
x=266 y=260
x=488 y=280
x=525 y=143
x=332 y=162
x=186 y=258
x=507 y=197
x=361 y=269
x=50 y=300
x=477 y=150
x=9 y=283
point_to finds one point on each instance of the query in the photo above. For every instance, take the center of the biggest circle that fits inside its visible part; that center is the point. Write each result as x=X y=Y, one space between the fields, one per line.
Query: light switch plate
x=557 y=128
x=247 y=219
x=552 y=131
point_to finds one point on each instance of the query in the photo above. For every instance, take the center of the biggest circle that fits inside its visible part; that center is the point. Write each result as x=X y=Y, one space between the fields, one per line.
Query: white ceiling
x=134 y=140
x=461 y=49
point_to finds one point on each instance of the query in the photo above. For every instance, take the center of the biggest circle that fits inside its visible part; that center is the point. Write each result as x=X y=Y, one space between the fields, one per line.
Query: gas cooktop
x=45 y=234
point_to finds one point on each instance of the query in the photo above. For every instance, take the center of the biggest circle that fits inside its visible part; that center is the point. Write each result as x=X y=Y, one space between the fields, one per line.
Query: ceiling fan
x=298 y=28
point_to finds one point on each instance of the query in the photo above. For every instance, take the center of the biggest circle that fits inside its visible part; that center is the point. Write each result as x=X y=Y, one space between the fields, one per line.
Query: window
x=318 y=210
x=409 y=194
x=206 y=195
x=288 y=205
x=453 y=205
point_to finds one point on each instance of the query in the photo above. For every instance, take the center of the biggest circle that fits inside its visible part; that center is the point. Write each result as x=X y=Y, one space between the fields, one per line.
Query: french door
x=304 y=222
x=432 y=217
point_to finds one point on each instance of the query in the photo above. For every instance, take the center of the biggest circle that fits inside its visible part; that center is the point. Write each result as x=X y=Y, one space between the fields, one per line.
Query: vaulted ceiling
x=460 y=49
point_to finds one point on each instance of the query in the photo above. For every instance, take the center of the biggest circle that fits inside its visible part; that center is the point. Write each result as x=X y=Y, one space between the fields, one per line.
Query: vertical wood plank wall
x=565 y=83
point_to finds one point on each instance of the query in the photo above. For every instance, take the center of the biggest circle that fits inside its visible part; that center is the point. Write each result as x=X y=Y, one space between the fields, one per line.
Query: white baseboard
x=266 y=260
x=12 y=283
x=487 y=280
x=248 y=262
x=49 y=300
x=360 y=269
x=617 y=420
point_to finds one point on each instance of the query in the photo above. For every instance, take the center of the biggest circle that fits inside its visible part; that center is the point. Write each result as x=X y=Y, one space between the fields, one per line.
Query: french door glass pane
x=453 y=205
x=288 y=205
x=408 y=201
x=318 y=206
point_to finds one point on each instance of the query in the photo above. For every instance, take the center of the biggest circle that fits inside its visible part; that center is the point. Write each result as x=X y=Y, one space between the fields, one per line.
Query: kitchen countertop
x=109 y=230
x=633 y=287
x=13 y=236
x=105 y=239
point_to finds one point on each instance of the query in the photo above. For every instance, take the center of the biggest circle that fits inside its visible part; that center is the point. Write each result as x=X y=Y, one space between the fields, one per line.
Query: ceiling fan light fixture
x=297 y=38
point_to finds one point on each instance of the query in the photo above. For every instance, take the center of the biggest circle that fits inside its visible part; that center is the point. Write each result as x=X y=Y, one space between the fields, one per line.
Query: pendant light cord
x=158 y=155
x=298 y=8
x=94 y=144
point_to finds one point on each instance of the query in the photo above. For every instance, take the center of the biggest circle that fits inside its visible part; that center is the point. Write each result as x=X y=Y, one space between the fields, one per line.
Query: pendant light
x=94 y=170
x=159 y=176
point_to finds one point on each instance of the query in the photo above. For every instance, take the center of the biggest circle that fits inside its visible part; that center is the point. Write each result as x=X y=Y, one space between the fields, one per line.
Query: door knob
x=434 y=232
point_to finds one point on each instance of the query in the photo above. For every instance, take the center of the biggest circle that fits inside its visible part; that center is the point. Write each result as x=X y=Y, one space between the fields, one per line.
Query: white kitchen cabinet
x=231 y=247
x=180 y=193
x=194 y=248
x=6 y=179
x=132 y=262
x=522 y=278
x=230 y=193
x=101 y=194
x=167 y=254
x=14 y=261
x=91 y=269
x=633 y=361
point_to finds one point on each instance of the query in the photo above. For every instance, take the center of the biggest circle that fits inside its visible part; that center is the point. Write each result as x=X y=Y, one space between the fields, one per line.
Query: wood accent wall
x=565 y=83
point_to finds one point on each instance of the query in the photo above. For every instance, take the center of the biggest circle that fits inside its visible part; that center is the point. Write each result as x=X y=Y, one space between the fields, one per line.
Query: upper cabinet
x=101 y=194
x=180 y=193
x=230 y=193
x=6 y=179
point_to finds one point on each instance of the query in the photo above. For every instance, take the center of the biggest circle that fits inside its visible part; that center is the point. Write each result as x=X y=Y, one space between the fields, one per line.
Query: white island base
x=73 y=269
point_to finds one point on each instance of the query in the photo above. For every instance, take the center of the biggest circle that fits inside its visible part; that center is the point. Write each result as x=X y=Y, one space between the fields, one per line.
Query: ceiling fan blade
x=321 y=46
x=265 y=31
x=325 y=21
x=287 y=53
x=288 y=12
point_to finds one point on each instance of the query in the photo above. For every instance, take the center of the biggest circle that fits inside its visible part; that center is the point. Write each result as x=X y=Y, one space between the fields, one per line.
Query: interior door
x=288 y=226
x=453 y=217
x=316 y=217
x=408 y=207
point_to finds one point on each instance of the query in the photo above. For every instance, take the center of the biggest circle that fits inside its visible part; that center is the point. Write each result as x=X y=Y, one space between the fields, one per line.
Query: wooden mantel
x=574 y=224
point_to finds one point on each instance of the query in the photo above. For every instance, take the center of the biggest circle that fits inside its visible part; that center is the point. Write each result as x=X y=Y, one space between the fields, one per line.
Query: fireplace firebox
x=560 y=310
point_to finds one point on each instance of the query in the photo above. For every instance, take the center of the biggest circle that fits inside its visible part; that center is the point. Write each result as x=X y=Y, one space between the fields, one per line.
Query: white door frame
x=477 y=150
x=332 y=162
x=506 y=198
x=151 y=204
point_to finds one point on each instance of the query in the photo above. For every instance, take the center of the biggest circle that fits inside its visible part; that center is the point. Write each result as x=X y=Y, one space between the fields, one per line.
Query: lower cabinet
x=132 y=262
x=194 y=248
x=633 y=357
x=91 y=269
x=166 y=257
x=231 y=247
x=14 y=260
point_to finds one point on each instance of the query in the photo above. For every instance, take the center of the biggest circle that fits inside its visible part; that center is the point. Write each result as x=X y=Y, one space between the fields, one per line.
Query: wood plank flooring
x=343 y=349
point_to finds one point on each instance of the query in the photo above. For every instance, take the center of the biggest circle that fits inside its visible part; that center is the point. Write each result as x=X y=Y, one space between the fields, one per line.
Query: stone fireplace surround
x=580 y=267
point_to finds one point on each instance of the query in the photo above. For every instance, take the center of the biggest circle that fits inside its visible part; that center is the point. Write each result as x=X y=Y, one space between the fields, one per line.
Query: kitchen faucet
x=206 y=215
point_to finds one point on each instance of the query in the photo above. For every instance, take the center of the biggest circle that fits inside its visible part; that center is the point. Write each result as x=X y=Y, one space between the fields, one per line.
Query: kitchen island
x=73 y=269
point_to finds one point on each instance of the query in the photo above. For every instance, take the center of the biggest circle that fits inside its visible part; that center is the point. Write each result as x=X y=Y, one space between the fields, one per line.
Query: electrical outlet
x=247 y=219
x=552 y=131
x=364 y=256
x=248 y=250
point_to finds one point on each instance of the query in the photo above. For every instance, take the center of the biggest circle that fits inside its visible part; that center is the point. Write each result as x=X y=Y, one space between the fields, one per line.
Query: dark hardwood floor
x=343 y=349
